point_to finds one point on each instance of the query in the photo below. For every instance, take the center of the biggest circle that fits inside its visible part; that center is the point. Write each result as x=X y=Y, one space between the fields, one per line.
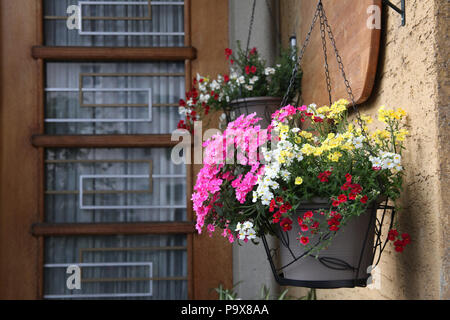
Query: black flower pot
x=345 y=262
x=263 y=106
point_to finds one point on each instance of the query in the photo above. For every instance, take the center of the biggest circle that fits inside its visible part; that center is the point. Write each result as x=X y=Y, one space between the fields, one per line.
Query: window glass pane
x=116 y=23
x=113 y=185
x=117 y=267
x=113 y=98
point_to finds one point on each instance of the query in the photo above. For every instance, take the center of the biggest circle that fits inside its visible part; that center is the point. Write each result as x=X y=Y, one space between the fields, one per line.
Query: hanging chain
x=344 y=76
x=252 y=18
x=324 y=26
x=324 y=46
x=300 y=56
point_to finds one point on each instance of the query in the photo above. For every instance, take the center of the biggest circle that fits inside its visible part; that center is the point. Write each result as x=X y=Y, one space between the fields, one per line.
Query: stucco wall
x=412 y=74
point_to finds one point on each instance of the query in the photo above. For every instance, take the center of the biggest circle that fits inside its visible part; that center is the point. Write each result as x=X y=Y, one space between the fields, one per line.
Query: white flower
x=278 y=65
x=397 y=159
x=247 y=225
x=241 y=80
x=239 y=227
x=204 y=97
x=251 y=234
x=357 y=142
x=268 y=71
x=248 y=87
x=242 y=235
x=253 y=79
x=215 y=85
x=182 y=110
x=190 y=102
x=285 y=175
x=295 y=130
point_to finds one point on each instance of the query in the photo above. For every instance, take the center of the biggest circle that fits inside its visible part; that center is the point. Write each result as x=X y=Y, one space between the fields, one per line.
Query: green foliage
x=264 y=294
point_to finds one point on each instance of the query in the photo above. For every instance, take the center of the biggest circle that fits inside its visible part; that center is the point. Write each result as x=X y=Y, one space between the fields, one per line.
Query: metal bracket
x=401 y=11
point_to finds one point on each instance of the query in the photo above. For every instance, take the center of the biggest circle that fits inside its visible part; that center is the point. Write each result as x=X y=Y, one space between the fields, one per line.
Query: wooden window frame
x=22 y=158
x=44 y=54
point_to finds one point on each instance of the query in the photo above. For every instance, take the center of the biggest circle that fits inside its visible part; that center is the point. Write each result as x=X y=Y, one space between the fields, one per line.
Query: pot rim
x=260 y=98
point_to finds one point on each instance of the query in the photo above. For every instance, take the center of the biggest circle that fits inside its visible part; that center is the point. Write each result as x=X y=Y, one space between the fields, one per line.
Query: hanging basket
x=263 y=106
x=345 y=263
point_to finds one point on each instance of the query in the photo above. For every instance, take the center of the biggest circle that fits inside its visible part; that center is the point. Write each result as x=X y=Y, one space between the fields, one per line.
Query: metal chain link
x=344 y=76
x=324 y=25
x=252 y=18
x=300 y=56
x=324 y=46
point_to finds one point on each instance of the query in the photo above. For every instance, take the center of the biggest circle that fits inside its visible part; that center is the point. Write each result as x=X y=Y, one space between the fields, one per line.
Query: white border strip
x=103 y=295
x=124 y=176
x=104 y=33
x=74 y=120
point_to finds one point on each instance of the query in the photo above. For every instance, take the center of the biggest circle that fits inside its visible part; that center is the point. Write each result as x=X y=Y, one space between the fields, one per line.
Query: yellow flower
x=401 y=134
x=366 y=118
x=335 y=156
x=307 y=149
x=305 y=134
x=283 y=128
x=298 y=180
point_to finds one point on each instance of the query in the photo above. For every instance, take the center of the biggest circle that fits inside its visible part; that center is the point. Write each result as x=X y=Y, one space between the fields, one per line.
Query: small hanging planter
x=345 y=263
x=262 y=106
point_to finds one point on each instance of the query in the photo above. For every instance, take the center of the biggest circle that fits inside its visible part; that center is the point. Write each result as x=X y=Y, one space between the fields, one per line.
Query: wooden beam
x=113 y=54
x=103 y=141
x=92 y=229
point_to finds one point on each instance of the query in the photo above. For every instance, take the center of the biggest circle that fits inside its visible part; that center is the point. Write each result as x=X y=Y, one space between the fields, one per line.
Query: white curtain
x=118 y=267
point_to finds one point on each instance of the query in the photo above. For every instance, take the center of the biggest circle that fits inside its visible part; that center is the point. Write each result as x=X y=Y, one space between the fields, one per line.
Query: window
x=98 y=185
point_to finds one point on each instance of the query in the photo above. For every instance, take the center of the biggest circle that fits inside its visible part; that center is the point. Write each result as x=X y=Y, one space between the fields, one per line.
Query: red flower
x=304 y=227
x=286 y=224
x=317 y=119
x=288 y=206
x=399 y=249
x=226 y=78
x=253 y=69
x=182 y=103
x=376 y=168
x=283 y=208
x=323 y=176
x=364 y=199
x=406 y=238
x=231 y=61
x=342 y=198
x=336 y=203
x=304 y=240
x=348 y=177
x=334 y=227
x=272 y=205
x=228 y=52
x=352 y=196
x=279 y=199
x=276 y=217
x=181 y=125
x=356 y=188
x=300 y=221
x=253 y=51
x=247 y=69
x=308 y=214
x=392 y=235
